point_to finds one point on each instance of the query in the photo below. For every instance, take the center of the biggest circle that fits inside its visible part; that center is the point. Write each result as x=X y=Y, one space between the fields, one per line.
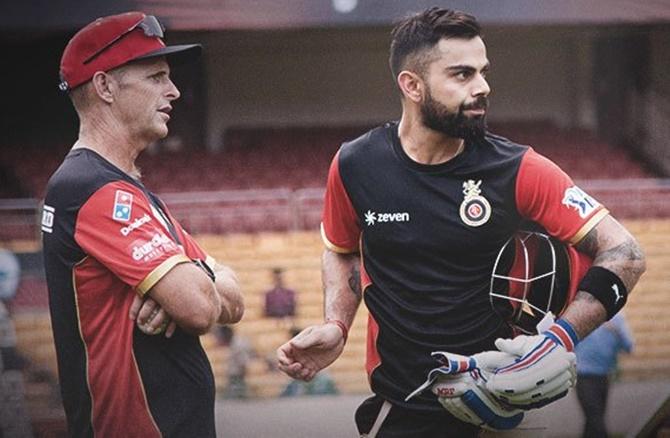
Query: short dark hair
x=414 y=36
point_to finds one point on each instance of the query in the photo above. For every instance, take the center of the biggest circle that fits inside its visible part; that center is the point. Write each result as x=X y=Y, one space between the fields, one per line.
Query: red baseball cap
x=113 y=41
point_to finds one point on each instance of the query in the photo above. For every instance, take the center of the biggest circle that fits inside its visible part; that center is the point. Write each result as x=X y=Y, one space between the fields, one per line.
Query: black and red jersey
x=428 y=236
x=106 y=239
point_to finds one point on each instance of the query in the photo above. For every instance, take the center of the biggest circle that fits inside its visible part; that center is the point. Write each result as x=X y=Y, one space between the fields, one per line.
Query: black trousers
x=406 y=423
x=592 y=394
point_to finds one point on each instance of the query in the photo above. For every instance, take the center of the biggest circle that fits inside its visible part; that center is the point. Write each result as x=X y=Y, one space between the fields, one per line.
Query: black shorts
x=406 y=423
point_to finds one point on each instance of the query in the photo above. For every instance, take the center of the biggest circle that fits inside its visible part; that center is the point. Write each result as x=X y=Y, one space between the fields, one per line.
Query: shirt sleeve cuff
x=588 y=226
x=211 y=261
x=331 y=246
x=159 y=272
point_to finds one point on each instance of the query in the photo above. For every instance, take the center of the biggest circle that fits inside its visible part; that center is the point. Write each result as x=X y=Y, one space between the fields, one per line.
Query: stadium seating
x=294 y=158
x=254 y=255
x=271 y=179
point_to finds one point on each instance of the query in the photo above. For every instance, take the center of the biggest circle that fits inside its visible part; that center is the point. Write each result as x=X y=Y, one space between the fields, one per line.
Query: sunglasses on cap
x=149 y=25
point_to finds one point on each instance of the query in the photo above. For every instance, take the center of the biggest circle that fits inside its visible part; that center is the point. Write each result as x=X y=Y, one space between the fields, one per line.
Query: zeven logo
x=48 y=213
x=576 y=198
x=372 y=218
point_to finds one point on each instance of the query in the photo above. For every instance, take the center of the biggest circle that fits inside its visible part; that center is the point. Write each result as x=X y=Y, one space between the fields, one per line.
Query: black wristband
x=606 y=287
x=205 y=267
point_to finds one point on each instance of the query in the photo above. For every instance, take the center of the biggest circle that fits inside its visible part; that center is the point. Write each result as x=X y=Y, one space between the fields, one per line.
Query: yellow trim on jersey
x=331 y=246
x=211 y=262
x=158 y=273
x=81 y=334
x=588 y=226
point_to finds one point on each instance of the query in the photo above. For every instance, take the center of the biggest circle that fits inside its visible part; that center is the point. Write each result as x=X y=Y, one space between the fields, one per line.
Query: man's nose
x=481 y=86
x=173 y=91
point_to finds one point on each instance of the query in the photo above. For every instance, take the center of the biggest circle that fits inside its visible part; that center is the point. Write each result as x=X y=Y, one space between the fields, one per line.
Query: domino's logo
x=123 y=205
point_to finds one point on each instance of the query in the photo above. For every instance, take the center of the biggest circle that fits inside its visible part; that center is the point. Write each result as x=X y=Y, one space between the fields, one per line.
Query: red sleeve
x=192 y=249
x=340 y=229
x=117 y=227
x=546 y=195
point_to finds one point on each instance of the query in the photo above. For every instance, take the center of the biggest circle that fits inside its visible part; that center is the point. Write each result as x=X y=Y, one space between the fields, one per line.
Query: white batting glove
x=465 y=396
x=543 y=372
x=460 y=386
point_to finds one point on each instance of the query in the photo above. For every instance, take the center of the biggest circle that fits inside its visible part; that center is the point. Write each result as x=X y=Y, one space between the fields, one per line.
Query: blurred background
x=281 y=84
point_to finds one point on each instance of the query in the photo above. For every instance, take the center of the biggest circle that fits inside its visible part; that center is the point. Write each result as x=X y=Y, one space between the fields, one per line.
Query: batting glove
x=460 y=386
x=543 y=372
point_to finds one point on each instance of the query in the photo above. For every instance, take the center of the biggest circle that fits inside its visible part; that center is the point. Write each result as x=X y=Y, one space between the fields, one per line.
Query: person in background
x=14 y=418
x=280 y=302
x=240 y=354
x=597 y=358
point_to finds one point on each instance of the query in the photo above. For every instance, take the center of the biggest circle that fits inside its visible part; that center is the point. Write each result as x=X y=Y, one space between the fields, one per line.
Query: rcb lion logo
x=475 y=209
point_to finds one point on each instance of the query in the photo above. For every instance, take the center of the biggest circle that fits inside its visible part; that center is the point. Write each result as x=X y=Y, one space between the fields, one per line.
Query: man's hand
x=150 y=317
x=230 y=292
x=544 y=371
x=310 y=351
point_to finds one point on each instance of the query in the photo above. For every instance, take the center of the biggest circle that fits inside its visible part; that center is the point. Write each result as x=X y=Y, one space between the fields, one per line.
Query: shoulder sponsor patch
x=138 y=222
x=576 y=198
x=123 y=204
x=48 y=214
x=145 y=251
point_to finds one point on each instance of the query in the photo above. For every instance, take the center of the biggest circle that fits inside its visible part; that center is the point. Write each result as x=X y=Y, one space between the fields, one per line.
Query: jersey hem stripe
x=588 y=226
x=160 y=271
x=83 y=341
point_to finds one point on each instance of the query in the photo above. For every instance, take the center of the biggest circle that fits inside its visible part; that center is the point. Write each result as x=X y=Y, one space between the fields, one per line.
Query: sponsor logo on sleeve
x=123 y=204
x=475 y=209
x=143 y=251
x=48 y=215
x=576 y=198
x=138 y=222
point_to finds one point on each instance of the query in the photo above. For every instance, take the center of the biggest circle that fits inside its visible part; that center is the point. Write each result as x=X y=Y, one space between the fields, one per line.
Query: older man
x=130 y=291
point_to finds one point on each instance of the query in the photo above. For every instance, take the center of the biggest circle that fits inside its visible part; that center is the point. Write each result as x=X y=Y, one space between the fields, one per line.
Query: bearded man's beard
x=437 y=117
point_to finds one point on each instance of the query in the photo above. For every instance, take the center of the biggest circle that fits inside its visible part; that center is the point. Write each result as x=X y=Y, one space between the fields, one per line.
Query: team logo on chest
x=475 y=209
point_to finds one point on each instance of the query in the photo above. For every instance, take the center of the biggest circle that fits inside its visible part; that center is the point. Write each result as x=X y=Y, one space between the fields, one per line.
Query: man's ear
x=104 y=86
x=411 y=85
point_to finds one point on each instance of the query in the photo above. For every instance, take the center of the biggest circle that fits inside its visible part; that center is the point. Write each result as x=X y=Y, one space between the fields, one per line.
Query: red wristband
x=342 y=326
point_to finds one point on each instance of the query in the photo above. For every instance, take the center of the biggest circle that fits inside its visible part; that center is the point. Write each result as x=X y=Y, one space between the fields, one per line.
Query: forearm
x=585 y=314
x=341 y=286
x=230 y=295
x=615 y=249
